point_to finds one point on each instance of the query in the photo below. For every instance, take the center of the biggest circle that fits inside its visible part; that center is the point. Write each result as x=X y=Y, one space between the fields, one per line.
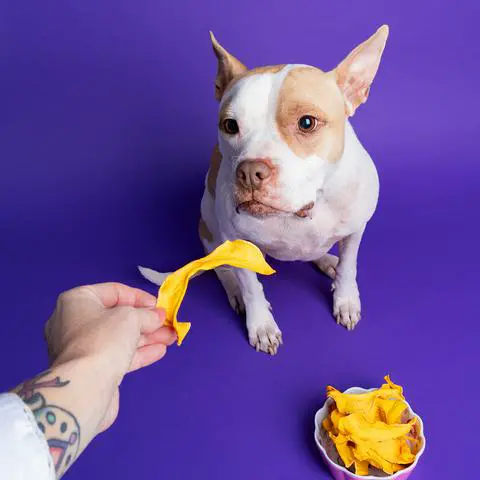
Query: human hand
x=115 y=327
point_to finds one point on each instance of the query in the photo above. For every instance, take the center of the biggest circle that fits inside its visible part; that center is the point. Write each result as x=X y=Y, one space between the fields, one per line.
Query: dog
x=290 y=175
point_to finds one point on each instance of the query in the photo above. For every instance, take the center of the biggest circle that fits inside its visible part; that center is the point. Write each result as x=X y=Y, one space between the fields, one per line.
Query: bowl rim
x=320 y=416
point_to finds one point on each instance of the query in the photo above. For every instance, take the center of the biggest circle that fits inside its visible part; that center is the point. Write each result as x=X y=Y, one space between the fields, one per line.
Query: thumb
x=151 y=319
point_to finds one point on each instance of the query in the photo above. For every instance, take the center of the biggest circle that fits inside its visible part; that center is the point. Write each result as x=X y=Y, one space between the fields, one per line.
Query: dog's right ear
x=228 y=68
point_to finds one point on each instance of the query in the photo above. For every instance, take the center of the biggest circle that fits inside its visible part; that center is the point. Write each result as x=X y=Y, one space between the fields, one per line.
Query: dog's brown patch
x=204 y=232
x=215 y=161
x=310 y=91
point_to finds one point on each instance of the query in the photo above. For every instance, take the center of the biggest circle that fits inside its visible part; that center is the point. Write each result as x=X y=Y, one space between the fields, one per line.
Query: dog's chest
x=291 y=238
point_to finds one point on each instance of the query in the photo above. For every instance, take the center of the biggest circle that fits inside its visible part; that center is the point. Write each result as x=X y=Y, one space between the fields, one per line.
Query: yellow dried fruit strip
x=357 y=426
x=393 y=386
x=388 y=411
x=370 y=429
x=361 y=468
x=344 y=449
x=396 y=450
x=239 y=253
x=365 y=452
x=363 y=402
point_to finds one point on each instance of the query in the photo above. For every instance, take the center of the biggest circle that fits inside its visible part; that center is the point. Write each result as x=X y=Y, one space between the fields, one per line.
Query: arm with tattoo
x=67 y=409
x=60 y=427
x=96 y=335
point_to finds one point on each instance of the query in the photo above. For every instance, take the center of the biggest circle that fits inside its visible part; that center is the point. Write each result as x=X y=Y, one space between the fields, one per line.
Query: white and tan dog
x=290 y=175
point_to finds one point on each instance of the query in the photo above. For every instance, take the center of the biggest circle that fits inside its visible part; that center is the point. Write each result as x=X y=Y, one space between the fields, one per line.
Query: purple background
x=107 y=123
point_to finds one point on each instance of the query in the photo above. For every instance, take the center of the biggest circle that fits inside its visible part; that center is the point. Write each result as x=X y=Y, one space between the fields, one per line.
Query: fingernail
x=152 y=302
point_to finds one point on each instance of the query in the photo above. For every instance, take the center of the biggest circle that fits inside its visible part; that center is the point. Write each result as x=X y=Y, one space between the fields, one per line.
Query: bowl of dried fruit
x=366 y=434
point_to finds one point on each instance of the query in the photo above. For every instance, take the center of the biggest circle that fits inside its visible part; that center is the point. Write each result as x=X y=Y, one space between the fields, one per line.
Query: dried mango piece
x=327 y=424
x=361 y=468
x=364 y=452
x=386 y=410
x=347 y=403
x=371 y=428
x=357 y=426
x=335 y=417
x=393 y=451
x=391 y=385
x=396 y=450
x=239 y=253
x=344 y=449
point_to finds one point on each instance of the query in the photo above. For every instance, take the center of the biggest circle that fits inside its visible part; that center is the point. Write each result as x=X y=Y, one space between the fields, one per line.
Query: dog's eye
x=230 y=126
x=307 y=123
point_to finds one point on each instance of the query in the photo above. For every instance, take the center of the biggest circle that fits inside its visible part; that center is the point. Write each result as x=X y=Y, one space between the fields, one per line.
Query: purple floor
x=107 y=120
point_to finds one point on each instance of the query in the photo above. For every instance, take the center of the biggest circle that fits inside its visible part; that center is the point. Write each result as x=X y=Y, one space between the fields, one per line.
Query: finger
x=165 y=335
x=116 y=294
x=151 y=319
x=147 y=355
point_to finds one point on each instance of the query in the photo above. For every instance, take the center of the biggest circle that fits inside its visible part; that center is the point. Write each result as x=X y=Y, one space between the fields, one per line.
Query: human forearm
x=69 y=403
x=96 y=335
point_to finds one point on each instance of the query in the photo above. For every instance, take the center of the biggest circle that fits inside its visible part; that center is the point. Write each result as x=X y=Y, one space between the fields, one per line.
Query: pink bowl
x=341 y=473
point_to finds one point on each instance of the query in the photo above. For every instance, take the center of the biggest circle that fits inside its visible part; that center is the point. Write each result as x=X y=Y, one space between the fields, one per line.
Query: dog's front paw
x=347 y=309
x=263 y=332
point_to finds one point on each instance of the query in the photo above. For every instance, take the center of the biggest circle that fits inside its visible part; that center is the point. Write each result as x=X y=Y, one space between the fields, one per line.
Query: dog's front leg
x=346 y=297
x=263 y=332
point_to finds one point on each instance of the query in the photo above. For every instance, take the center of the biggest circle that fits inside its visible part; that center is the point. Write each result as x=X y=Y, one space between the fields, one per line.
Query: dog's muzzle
x=259 y=209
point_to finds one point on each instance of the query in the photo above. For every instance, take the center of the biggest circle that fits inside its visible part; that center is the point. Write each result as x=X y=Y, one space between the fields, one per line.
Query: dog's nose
x=252 y=174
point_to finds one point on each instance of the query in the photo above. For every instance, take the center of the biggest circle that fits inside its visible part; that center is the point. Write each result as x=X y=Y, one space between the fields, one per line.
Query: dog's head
x=282 y=127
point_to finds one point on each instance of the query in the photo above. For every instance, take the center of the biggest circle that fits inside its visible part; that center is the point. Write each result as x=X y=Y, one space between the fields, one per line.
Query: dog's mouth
x=259 y=209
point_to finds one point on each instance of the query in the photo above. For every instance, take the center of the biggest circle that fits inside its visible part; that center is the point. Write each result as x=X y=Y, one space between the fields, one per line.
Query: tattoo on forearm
x=60 y=427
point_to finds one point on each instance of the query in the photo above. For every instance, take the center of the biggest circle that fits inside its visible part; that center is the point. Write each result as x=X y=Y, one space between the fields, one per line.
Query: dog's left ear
x=228 y=68
x=356 y=73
